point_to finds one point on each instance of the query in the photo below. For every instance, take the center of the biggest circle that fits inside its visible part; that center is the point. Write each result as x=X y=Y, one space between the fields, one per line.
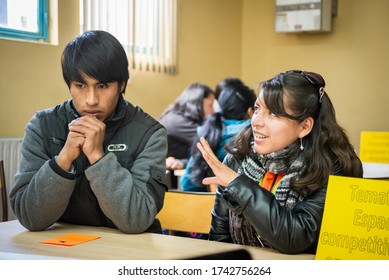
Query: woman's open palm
x=223 y=174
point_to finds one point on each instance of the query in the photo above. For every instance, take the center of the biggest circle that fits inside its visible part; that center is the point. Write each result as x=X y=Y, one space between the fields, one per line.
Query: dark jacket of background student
x=236 y=108
x=182 y=118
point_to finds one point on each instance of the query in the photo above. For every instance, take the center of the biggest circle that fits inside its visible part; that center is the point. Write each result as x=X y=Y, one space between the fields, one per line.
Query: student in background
x=236 y=108
x=272 y=185
x=181 y=120
x=228 y=81
x=96 y=159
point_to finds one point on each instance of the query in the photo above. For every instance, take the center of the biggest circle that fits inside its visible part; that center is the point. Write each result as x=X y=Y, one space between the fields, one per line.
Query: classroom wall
x=209 y=47
x=353 y=58
x=218 y=38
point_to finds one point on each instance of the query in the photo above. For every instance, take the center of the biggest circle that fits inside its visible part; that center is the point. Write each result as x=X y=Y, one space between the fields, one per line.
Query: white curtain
x=146 y=28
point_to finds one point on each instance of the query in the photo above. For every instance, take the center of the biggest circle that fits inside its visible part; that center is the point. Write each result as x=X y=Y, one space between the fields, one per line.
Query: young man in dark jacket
x=95 y=159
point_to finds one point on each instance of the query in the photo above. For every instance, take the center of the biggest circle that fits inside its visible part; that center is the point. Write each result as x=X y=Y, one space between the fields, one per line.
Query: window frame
x=43 y=26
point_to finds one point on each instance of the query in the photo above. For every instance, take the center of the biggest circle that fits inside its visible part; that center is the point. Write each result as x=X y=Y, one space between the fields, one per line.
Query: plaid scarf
x=287 y=161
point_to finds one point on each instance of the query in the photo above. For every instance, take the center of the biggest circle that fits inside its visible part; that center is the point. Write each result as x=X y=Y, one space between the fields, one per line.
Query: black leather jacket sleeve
x=288 y=230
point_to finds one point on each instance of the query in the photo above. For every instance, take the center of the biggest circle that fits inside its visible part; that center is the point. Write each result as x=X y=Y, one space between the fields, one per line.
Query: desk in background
x=173 y=178
x=115 y=245
x=373 y=170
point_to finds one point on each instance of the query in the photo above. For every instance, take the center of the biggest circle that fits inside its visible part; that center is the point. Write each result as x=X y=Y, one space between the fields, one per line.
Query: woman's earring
x=301 y=144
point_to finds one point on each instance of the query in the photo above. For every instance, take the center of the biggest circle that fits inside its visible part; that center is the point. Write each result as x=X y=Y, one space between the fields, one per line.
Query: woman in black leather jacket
x=272 y=185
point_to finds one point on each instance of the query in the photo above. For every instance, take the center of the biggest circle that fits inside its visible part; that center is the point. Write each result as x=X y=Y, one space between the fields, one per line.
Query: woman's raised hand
x=223 y=174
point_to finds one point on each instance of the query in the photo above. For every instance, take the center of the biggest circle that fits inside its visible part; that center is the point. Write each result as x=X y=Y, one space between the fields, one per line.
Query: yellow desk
x=115 y=245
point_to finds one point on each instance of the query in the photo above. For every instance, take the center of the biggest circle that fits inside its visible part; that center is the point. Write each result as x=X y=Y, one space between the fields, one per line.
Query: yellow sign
x=374 y=146
x=355 y=224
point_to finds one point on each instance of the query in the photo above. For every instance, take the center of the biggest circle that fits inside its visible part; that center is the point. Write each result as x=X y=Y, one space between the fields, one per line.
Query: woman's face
x=208 y=108
x=272 y=133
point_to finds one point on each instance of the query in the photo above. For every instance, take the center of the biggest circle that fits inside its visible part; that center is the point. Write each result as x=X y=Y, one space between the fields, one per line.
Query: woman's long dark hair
x=325 y=146
x=190 y=102
x=234 y=101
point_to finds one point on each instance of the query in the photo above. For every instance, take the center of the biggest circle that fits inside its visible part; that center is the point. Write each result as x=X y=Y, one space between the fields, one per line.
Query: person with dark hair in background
x=236 y=108
x=272 y=184
x=228 y=81
x=181 y=120
x=96 y=159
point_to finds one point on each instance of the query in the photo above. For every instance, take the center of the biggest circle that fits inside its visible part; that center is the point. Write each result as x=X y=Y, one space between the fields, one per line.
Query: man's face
x=95 y=98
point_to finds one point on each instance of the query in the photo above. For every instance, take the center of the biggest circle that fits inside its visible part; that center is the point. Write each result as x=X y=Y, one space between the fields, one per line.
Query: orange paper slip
x=70 y=239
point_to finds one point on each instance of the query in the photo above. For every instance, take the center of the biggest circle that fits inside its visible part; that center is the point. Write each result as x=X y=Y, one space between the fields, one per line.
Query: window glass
x=146 y=28
x=24 y=19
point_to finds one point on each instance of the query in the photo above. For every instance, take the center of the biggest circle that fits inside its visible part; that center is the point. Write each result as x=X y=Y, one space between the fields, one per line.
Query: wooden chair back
x=3 y=189
x=187 y=211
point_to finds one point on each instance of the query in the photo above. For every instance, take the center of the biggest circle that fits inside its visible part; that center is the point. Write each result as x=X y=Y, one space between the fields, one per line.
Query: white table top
x=18 y=243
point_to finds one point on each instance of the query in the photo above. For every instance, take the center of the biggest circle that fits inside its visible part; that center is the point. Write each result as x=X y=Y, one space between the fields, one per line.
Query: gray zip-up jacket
x=125 y=189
